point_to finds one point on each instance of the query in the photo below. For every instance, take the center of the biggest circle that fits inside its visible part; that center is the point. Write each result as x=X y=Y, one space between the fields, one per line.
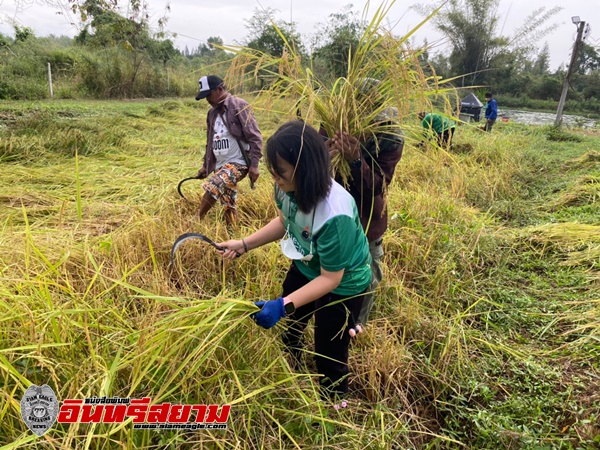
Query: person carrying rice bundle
x=372 y=161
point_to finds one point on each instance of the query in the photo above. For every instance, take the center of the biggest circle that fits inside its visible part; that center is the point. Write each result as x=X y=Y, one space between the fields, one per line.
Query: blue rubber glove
x=271 y=312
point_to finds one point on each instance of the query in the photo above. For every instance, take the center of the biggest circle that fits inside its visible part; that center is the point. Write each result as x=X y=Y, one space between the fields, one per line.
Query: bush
x=547 y=87
x=23 y=88
x=62 y=62
x=559 y=135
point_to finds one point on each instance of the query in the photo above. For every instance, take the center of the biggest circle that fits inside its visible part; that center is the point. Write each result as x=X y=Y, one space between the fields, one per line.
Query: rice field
x=485 y=333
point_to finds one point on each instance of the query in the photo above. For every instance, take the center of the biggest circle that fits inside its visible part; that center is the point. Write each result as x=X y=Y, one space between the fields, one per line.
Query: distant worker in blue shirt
x=491 y=112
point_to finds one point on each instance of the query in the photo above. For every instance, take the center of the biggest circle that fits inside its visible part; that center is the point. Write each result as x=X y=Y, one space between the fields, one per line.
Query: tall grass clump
x=560 y=135
x=383 y=72
x=117 y=73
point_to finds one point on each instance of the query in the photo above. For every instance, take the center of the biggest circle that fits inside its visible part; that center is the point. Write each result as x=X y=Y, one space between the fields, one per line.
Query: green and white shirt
x=338 y=239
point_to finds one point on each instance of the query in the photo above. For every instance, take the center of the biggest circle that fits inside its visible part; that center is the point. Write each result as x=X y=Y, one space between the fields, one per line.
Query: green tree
x=23 y=33
x=108 y=28
x=267 y=35
x=273 y=40
x=440 y=63
x=478 y=49
x=130 y=47
x=545 y=87
x=338 y=41
x=215 y=43
x=589 y=59
x=271 y=37
x=210 y=53
x=162 y=51
x=259 y=20
x=591 y=89
x=541 y=65
x=5 y=41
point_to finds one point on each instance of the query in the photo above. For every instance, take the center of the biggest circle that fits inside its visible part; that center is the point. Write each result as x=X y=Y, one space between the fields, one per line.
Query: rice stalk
x=382 y=73
x=586 y=323
x=589 y=257
x=586 y=191
x=78 y=187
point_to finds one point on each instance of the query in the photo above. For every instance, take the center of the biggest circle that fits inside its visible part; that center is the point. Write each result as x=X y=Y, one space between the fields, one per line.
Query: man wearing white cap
x=233 y=147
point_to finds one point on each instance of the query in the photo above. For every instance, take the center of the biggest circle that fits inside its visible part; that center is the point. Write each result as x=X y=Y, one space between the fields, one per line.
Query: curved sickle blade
x=185 y=237
x=183 y=181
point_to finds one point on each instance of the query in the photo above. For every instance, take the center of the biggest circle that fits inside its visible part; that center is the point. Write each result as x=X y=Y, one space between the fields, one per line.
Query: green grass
x=486 y=332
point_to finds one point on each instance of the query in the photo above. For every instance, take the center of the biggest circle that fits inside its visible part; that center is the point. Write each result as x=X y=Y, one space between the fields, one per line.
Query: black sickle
x=183 y=181
x=186 y=236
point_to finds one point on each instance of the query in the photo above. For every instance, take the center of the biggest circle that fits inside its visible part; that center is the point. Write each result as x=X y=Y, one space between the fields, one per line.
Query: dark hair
x=303 y=147
x=488 y=94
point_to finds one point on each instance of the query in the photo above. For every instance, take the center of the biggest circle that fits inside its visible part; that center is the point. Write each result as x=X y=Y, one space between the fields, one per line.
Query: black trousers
x=489 y=124
x=445 y=138
x=334 y=315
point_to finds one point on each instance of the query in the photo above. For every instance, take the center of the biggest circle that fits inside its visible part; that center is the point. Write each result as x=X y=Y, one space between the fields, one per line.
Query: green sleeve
x=335 y=243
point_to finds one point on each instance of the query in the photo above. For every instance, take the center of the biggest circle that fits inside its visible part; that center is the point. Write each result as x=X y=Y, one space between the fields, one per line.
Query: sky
x=193 y=21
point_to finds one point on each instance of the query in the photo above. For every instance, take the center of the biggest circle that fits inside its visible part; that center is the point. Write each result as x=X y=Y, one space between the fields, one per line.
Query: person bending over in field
x=320 y=231
x=372 y=164
x=441 y=126
x=233 y=147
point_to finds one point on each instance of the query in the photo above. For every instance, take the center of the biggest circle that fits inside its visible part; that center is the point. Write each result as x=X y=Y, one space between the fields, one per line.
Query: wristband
x=245 y=246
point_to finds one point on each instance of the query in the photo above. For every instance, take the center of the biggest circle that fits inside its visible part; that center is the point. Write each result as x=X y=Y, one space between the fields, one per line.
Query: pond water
x=544 y=118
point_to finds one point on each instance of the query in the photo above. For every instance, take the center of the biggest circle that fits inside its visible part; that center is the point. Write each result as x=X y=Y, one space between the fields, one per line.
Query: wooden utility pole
x=573 y=63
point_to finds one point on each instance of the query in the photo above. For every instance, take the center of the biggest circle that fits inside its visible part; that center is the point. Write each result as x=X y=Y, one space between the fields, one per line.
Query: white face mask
x=289 y=249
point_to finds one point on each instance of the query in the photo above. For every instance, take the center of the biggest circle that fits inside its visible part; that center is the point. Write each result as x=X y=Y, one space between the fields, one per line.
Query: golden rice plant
x=587 y=323
x=565 y=236
x=383 y=72
x=586 y=191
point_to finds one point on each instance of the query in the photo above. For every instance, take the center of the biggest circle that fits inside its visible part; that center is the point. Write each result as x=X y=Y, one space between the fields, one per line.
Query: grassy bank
x=486 y=332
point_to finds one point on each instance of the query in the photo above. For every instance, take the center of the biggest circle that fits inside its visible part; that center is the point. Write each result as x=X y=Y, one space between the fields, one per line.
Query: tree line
x=513 y=66
x=114 y=56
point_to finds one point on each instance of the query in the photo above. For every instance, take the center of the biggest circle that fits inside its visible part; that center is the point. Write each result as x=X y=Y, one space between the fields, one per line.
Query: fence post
x=50 y=80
